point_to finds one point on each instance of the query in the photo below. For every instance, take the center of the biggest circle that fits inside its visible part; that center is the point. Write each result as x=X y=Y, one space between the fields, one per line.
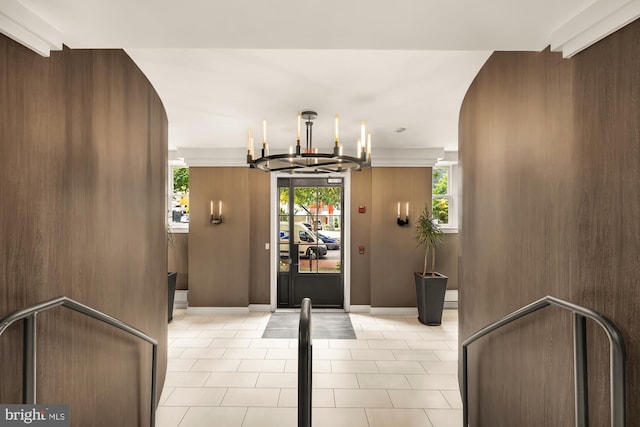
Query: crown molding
x=236 y=157
x=406 y=157
x=593 y=24
x=30 y=30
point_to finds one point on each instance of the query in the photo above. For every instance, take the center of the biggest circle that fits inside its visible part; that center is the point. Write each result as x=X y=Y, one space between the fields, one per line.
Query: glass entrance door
x=310 y=236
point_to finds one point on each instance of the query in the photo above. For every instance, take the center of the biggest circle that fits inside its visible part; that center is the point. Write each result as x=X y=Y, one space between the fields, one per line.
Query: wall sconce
x=405 y=221
x=215 y=215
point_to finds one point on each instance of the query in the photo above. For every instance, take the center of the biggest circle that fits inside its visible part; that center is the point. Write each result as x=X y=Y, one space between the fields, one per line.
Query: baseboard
x=450 y=302
x=394 y=311
x=451 y=299
x=180 y=298
x=451 y=295
x=217 y=310
x=360 y=309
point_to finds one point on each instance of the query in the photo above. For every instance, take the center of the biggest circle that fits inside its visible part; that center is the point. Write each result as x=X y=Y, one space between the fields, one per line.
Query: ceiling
x=221 y=67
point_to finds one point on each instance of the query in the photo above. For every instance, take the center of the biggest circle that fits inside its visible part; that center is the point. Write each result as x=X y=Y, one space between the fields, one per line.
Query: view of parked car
x=331 y=242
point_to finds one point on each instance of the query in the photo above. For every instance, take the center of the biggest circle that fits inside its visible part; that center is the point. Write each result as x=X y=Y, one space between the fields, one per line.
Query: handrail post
x=618 y=380
x=465 y=388
x=580 y=369
x=29 y=360
x=154 y=368
x=305 y=356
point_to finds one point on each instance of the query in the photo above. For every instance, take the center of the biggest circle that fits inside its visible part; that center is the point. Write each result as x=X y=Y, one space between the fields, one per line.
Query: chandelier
x=308 y=159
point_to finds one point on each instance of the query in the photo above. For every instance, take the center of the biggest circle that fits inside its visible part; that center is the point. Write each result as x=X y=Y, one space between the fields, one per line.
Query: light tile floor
x=221 y=373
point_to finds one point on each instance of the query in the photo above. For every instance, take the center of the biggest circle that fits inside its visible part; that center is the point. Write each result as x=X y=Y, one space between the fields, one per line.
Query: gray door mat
x=323 y=326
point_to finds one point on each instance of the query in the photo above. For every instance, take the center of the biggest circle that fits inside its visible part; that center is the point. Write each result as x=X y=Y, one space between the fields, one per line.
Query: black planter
x=171 y=294
x=430 y=291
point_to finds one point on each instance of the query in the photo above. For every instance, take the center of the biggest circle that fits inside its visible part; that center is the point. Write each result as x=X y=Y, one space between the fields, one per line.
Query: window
x=179 y=196
x=441 y=195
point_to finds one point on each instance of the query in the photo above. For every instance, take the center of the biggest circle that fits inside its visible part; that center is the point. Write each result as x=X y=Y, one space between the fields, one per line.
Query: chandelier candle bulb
x=264 y=134
x=398 y=210
x=369 y=145
x=211 y=209
x=362 y=133
x=299 y=125
x=407 y=214
x=337 y=130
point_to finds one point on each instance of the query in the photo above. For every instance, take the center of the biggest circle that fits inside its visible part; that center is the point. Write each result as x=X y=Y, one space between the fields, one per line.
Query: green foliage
x=429 y=235
x=314 y=196
x=440 y=180
x=181 y=180
x=440 y=208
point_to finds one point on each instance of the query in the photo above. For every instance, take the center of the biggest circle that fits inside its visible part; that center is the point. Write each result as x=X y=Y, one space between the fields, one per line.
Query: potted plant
x=430 y=286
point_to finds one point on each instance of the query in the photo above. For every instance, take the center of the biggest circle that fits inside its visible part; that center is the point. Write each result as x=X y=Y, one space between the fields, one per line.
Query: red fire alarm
x=362 y=209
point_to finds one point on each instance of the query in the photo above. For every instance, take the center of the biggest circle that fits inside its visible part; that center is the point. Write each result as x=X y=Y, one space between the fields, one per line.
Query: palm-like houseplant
x=430 y=286
x=429 y=236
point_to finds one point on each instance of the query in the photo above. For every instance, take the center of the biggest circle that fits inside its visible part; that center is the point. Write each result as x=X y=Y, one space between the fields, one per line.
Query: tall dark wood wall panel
x=83 y=154
x=394 y=252
x=219 y=255
x=550 y=152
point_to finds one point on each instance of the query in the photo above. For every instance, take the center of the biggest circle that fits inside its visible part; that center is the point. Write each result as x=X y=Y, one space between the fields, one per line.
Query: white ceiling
x=223 y=66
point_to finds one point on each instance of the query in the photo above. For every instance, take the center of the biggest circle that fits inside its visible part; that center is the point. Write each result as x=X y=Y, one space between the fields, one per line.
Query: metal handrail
x=305 y=358
x=29 y=355
x=616 y=359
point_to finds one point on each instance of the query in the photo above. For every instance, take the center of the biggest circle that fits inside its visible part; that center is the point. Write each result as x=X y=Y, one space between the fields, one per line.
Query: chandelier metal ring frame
x=309 y=160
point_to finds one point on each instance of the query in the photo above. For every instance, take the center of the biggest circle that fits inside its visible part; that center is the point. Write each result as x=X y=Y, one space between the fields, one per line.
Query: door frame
x=274 y=242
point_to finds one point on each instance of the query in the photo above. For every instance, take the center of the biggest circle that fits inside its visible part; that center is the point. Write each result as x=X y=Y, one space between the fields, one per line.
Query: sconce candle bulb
x=402 y=222
x=215 y=217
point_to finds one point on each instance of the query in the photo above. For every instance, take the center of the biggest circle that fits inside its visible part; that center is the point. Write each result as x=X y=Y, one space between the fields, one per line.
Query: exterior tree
x=181 y=180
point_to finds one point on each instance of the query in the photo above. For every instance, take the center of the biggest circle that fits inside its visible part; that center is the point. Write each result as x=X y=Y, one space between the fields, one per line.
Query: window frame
x=174 y=227
x=450 y=195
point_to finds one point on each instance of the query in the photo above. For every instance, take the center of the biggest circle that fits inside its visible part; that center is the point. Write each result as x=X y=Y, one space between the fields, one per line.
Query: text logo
x=34 y=415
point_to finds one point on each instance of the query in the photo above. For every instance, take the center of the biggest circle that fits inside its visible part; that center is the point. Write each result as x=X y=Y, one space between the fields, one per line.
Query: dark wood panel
x=259 y=193
x=178 y=258
x=361 y=236
x=219 y=262
x=447 y=259
x=551 y=162
x=83 y=143
x=394 y=255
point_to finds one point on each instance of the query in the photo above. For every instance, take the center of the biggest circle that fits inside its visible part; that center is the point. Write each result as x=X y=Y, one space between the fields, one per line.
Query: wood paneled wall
x=550 y=150
x=228 y=263
x=259 y=190
x=229 y=267
x=178 y=258
x=361 y=236
x=390 y=276
x=447 y=259
x=394 y=252
x=219 y=255
x=83 y=155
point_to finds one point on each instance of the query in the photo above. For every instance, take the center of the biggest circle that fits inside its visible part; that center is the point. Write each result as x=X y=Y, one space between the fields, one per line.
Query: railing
x=580 y=314
x=29 y=352
x=305 y=353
